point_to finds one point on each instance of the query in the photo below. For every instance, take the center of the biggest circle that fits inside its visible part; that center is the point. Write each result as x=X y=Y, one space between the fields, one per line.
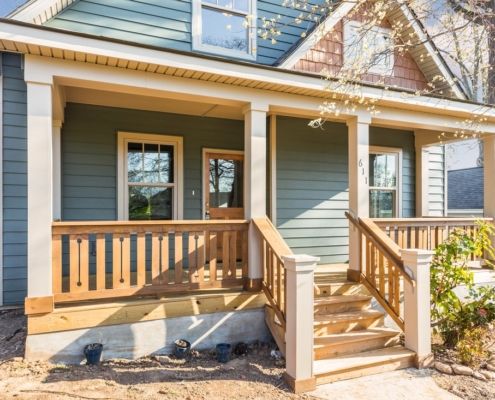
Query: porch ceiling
x=148 y=103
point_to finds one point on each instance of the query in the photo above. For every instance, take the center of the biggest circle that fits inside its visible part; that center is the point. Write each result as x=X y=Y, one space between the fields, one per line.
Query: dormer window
x=225 y=27
x=368 y=49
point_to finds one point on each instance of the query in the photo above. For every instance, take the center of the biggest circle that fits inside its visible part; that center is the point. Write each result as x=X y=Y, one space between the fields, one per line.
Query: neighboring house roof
x=41 y=11
x=465 y=189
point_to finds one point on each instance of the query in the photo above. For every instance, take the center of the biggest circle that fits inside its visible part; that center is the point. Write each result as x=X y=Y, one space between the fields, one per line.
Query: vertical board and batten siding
x=14 y=180
x=313 y=184
x=436 y=181
x=89 y=155
x=167 y=23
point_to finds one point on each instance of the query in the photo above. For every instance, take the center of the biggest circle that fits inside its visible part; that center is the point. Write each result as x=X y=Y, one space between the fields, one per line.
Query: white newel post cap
x=413 y=257
x=300 y=262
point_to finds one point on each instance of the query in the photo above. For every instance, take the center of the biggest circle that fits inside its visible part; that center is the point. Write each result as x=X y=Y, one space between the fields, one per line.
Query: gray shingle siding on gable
x=14 y=180
x=465 y=189
x=167 y=23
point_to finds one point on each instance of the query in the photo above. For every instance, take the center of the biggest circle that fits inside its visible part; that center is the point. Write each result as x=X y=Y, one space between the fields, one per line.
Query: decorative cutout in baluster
x=121 y=240
x=79 y=283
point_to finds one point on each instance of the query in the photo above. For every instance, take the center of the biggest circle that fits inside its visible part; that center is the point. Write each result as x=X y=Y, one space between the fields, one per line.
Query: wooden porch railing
x=96 y=260
x=424 y=233
x=273 y=247
x=383 y=267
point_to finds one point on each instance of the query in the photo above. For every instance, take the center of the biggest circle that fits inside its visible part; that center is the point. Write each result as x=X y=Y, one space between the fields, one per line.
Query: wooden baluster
x=193 y=257
x=373 y=265
x=201 y=256
x=245 y=253
x=57 y=264
x=279 y=283
x=213 y=256
x=391 y=284
x=101 y=268
x=424 y=238
x=272 y=273
x=225 y=255
x=233 y=255
x=164 y=259
x=79 y=263
x=381 y=274
x=121 y=260
x=178 y=250
x=369 y=255
x=155 y=257
x=141 y=259
x=397 y=291
x=268 y=269
x=412 y=237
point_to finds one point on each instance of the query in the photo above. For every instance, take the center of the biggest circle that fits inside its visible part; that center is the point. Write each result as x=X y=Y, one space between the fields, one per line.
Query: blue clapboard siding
x=436 y=181
x=167 y=23
x=14 y=180
x=313 y=184
x=89 y=155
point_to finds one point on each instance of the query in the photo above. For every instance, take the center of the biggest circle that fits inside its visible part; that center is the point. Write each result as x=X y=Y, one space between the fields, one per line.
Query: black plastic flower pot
x=223 y=352
x=182 y=348
x=92 y=352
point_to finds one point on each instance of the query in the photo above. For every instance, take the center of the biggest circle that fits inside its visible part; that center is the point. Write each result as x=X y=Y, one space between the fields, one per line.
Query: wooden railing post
x=299 y=322
x=417 y=320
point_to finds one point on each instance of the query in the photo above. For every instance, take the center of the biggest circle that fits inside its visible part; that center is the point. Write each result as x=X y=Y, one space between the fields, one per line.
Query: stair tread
x=361 y=360
x=338 y=299
x=354 y=336
x=320 y=319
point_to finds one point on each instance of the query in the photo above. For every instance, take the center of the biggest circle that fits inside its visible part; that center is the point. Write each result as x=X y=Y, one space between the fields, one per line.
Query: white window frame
x=349 y=40
x=197 y=29
x=122 y=177
x=396 y=151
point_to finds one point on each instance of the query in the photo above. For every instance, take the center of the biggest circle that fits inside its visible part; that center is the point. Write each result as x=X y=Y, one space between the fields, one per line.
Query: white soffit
x=39 y=11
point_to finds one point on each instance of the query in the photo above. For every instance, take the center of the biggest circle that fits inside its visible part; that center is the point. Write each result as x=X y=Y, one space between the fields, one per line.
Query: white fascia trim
x=431 y=51
x=39 y=11
x=35 y=36
x=177 y=142
x=340 y=12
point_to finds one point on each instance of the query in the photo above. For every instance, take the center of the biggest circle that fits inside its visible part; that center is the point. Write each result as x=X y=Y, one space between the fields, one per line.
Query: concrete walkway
x=408 y=384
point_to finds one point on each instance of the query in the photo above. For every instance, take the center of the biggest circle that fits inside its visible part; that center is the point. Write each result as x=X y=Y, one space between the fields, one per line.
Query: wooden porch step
x=341 y=303
x=334 y=288
x=354 y=342
x=361 y=364
x=325 y=324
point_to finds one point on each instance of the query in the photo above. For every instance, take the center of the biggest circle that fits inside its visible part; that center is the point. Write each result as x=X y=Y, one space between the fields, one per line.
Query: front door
x=223 y=184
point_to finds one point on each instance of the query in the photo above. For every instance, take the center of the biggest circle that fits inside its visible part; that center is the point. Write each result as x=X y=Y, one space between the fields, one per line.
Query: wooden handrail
x=273 y=248
x=381 y=266
x=105 y=259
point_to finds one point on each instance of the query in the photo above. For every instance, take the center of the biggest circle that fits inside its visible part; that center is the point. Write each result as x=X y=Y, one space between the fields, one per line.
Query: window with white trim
x=385 y=167
x=225 y=27
x=149 y=176
x=368 y=50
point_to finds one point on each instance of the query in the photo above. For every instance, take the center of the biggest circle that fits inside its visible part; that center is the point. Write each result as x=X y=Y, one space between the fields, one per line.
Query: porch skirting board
x=134 y=340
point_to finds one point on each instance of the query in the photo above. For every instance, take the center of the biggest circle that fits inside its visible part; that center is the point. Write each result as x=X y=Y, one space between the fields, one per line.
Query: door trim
x=204 y=186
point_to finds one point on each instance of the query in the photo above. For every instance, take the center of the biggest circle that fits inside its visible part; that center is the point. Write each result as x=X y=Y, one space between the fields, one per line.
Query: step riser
x=332 y=289
x=405 y=362
x=347 y=326
x=351 y=348
x=324 y=309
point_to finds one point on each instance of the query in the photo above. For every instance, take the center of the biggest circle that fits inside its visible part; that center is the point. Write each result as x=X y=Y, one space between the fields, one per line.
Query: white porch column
x=40 y=187
x=57 y=170
x=299 y=322
x=255 y=195
x=358 y=143
x=422 y=177
x=489 y=177
x=417 y=318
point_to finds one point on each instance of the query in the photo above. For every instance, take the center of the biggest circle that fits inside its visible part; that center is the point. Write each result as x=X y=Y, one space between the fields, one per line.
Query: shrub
x=472 y=348
x=455 y=319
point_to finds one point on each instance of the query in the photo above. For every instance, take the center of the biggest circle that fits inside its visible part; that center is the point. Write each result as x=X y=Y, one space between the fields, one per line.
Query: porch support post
x=417 y=320
x=299 y=322
x=57 y=170
x=40 y=186
x=422 y=177
x=255 y=199
x=358 y=143
x=489 y=177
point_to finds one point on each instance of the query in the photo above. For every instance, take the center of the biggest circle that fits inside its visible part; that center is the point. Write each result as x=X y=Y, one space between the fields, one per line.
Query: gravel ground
x=254 y=376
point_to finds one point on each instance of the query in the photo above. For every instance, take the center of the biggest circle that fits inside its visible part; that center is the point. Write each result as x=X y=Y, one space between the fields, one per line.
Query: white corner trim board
x=39 y=11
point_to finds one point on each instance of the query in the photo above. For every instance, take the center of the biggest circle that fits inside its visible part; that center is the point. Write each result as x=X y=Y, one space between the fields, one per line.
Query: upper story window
x=369 y=50
x=225 y=27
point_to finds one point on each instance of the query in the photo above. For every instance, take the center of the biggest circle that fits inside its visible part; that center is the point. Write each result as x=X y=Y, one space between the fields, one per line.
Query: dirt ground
x=254 y=376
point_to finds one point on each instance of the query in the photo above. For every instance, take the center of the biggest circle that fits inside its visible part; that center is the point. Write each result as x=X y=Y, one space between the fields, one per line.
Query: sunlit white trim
x=398 y=186
x=273 y=168
x=197 y=29
x=122 y=183
x=39 y=11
